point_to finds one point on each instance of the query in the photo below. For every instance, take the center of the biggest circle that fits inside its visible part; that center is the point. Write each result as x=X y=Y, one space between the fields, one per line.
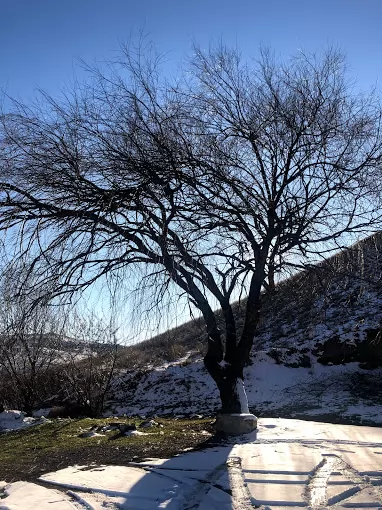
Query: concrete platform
x=286 y=464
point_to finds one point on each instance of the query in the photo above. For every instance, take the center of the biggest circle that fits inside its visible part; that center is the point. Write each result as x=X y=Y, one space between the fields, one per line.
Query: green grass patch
x=28 y=453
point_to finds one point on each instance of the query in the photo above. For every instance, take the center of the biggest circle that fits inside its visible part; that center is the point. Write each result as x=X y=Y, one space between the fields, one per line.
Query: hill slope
x=317 y=350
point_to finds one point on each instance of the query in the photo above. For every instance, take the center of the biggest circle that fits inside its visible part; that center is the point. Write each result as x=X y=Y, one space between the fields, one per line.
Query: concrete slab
x=287 y=463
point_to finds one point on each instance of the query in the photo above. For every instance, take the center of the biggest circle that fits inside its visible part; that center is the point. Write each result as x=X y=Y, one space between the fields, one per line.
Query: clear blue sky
x=41 y=40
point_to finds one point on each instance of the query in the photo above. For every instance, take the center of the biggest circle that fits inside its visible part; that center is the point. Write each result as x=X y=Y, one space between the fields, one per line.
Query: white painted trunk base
x=242 y=396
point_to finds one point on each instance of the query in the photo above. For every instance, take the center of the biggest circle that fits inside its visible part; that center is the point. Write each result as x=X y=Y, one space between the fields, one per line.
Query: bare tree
x=30 y=348
x=87 y=371
x=214 y=185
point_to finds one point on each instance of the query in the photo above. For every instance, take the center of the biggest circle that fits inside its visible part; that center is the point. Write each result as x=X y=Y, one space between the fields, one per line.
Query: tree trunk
x=233 y=396
x=228 y=372
x=229 y=380
x=271 y=278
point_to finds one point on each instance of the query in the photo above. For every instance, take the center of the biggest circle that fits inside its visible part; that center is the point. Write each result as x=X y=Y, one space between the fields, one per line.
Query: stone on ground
x=236 y=424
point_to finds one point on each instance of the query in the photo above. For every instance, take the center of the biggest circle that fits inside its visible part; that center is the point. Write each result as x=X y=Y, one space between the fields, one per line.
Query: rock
x=100 y=428
x=114 y=425
x=148 y=424
x=123 y=427
x=89 y=433
x=41 y=412
x=68 y=411
x=58 y=412
x=236 y=424
x=336 y=352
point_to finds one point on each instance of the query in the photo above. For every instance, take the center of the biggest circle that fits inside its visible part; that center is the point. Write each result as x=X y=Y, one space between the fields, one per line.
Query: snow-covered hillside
x=317 y=351
x=327 y=391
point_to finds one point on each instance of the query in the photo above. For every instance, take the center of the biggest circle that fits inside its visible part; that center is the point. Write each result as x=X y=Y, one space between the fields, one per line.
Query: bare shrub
x=30 y=346
x=88 y=370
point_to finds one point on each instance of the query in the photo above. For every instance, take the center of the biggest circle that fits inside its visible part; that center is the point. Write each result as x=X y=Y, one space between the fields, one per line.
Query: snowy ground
x=287 y=463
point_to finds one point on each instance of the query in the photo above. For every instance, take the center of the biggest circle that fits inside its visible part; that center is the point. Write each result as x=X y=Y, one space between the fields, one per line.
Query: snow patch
x=16 y=420
x=135 y=433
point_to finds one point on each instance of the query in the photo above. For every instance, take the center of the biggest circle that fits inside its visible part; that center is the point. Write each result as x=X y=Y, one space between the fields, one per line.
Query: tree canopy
x=214 y=183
